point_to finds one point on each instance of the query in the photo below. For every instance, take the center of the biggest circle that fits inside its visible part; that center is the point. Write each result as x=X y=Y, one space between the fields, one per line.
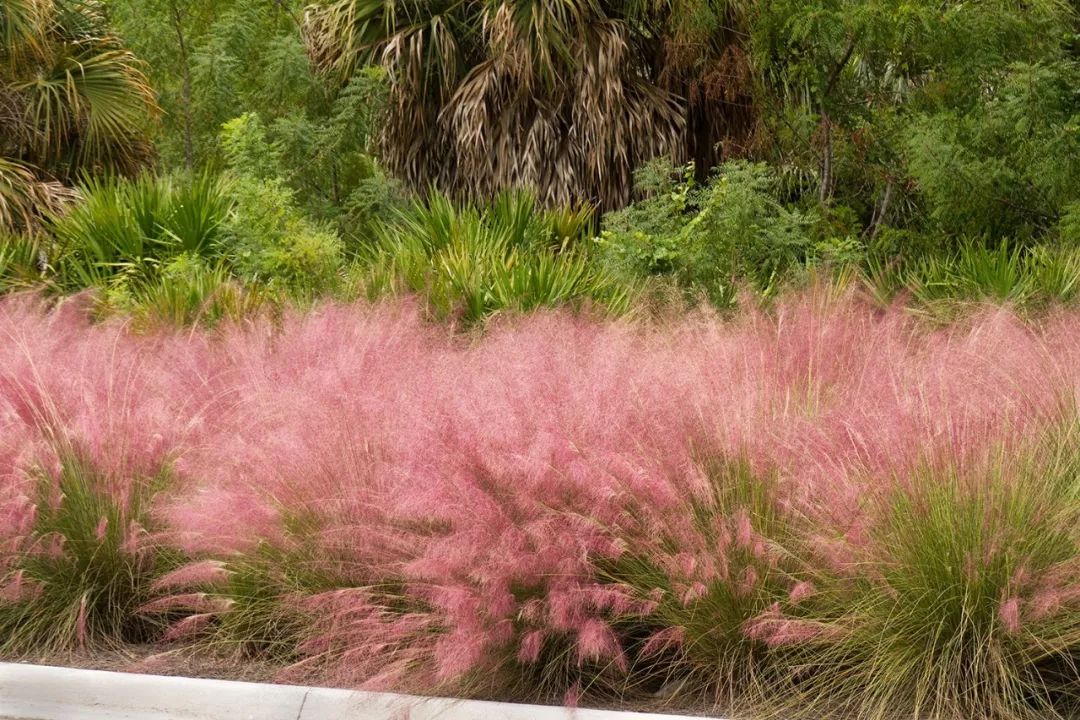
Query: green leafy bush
x=710 y=237
x=269 y=238
x=1009 y=166
x=270 y=241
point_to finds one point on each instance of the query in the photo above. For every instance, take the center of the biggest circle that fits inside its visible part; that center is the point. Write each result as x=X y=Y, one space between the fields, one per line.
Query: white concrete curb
x=34 y=692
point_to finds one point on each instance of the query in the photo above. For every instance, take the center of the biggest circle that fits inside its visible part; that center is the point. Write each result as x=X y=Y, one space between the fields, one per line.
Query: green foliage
x=1009 y=166
x=128 y=228
x=332 y=166
x=942 y=282
x=247 y=149
x=471 y=263
x=72 y=99
x=189 y=291
x=710 y=237
x=858 y=92
x=269 y=240
x=20 y=261
x=337 y=182
x=87 y=565
x=957 y=546
x=214 y=61
x=210 y=60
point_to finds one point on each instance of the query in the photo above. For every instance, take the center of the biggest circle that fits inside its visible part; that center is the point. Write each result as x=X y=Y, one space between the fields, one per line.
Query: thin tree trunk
x=880 y=213
x=825 y=189
x=186 y=89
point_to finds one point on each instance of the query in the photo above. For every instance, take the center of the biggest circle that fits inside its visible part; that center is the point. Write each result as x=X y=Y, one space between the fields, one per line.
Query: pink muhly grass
x=429 y=509
x=800 y=592
x=661 y=640
x=1009 y=614
x=531 y=644
x=776 y=630
x=196 y=574
x=198 y=602
x=596 y=641
x=188 y=627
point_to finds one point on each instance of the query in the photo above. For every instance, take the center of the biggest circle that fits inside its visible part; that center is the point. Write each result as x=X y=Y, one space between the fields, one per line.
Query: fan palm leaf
x=85 y=108
x=72 y=99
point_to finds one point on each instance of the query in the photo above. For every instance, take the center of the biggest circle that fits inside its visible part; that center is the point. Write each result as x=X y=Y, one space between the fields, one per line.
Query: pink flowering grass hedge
x=824 y=507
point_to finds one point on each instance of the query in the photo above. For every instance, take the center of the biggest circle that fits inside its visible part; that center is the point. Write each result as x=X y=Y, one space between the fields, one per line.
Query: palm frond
x=25 y=198
x=554 y=95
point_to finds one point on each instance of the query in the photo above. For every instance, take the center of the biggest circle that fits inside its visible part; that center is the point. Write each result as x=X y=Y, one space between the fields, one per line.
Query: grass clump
x=131 y=228
x=730 y=589
x=965 y=604
x=85 y=564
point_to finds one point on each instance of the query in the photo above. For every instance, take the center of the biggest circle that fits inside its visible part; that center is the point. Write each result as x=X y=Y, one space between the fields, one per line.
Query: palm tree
x=72 y=99
x=565 y=97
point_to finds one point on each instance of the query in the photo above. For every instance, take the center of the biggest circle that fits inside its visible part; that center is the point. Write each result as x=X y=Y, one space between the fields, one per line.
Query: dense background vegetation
x=194 y=158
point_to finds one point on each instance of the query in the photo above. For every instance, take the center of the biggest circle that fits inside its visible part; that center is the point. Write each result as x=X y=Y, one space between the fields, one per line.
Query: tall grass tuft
x=85 y=565
x=968 y=604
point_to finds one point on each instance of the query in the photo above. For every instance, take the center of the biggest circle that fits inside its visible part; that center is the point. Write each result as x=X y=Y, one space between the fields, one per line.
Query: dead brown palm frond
x=26 y=199
x=561 y=96
x=565 y=97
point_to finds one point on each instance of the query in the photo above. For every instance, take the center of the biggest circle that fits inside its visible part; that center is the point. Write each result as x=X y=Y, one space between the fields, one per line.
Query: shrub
x=129 y=228
x=711 y=237
x=269 y=239
x=472 y=263
x=271 y=242
x=1005 y=167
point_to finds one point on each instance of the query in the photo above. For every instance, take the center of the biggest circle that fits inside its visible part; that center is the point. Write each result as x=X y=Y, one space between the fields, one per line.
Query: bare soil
x=151 y=660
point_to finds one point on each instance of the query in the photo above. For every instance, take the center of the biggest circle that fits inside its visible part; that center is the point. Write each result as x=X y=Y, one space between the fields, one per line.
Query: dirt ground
x=151 y=660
